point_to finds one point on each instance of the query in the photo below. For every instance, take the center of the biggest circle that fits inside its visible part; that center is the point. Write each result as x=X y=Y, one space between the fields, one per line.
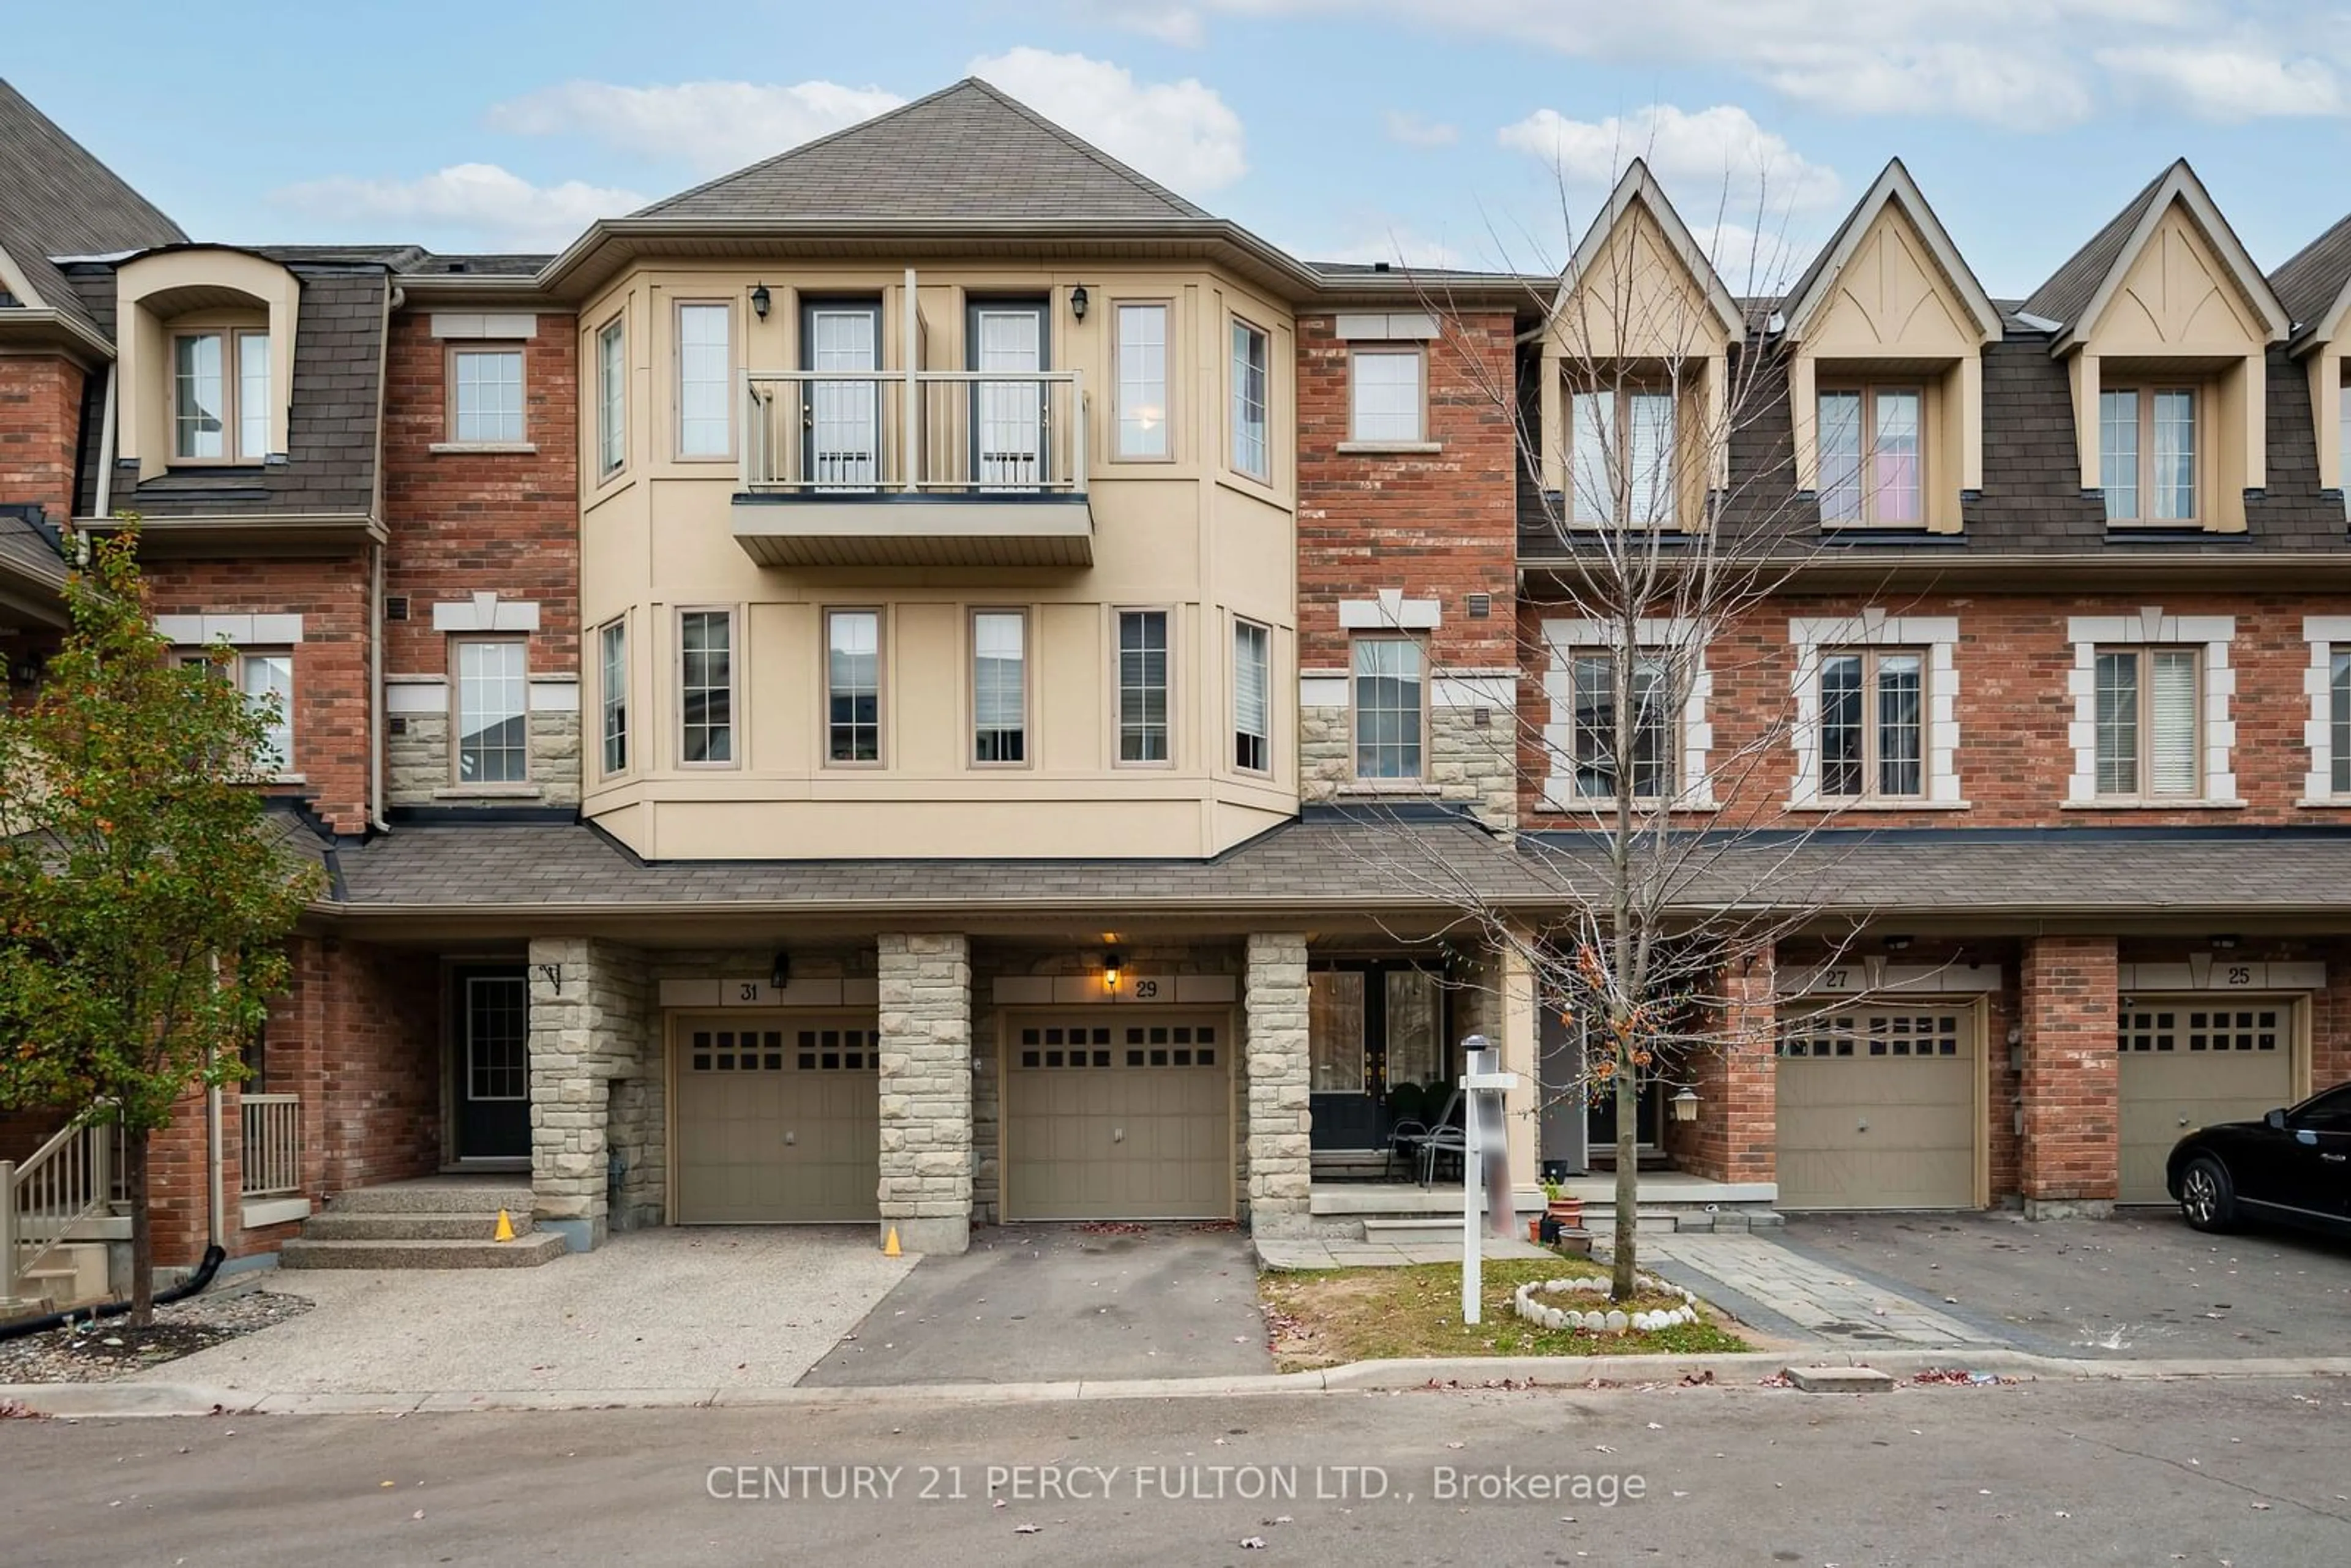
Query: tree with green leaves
x=145 y=888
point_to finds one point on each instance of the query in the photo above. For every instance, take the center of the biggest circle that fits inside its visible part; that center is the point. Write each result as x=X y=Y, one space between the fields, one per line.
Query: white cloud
x=1181 y=134
x=1418 y=131
x=2227 y=84
x=1178 y=25
x=466 y=203
x=712 y=125
x=1397 y=246
x=1972 y=81
x=1720 y=151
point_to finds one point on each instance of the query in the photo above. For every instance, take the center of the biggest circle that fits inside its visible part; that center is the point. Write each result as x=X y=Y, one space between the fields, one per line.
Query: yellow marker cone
x=505 y=1228
x=890 y=1246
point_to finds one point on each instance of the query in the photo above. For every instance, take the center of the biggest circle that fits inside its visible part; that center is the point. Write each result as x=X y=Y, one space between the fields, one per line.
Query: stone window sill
x=491 y=793
x=2326 y=803
x=2154 y=806
x=444 y=448
x=1700 y=806
x=287 y=778
x=1387 y=787
x=1840 y=806
x=1354 y=448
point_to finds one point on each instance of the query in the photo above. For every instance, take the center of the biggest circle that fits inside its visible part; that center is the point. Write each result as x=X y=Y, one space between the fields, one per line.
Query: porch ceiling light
x=761 y=301
x=2224 y=943
x=1897 y=943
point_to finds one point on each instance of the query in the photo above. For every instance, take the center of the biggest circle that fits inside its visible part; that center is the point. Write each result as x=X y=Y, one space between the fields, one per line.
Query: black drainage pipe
x=215 y=1256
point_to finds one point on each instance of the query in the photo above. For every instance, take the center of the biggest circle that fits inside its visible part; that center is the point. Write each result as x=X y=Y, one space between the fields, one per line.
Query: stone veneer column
x=1280 y=1178
x=2071 y=1155
x=588 y=1026
x=925 y=1088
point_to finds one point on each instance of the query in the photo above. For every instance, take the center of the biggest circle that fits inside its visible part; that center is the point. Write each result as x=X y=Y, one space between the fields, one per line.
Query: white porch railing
x=273 y=1146
x=938 y=432
x=42 y=1198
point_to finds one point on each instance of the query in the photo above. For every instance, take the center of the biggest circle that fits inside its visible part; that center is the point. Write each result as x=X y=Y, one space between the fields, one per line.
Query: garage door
x=2187 y=1063
x=1118 y=1119
x=1877 y=1109
x=778 y=1119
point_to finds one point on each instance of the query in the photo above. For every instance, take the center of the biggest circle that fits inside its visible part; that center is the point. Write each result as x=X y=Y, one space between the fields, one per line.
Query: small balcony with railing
x=918 y=468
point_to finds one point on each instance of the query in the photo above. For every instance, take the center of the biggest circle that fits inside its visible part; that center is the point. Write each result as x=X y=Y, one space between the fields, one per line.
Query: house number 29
x=1146 y=990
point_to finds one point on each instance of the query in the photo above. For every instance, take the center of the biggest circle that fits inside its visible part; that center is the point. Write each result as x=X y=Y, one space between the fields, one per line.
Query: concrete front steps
x=436 y=1223
x=72 y=1275
x=1408 y=1216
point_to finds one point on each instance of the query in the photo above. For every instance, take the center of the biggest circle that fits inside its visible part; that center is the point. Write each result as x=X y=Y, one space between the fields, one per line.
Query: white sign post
x=1484 y=1141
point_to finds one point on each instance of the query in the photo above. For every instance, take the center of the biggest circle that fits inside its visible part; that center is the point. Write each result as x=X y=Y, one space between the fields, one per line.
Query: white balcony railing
x=841 y=434
x=273 y=1146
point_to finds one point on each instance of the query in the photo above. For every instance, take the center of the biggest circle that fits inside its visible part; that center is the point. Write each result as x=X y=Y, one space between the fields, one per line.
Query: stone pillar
x=590 y=1026
x=1281 y=1173
x=925 y=1088
x=2071 y=1154
x=1517 y=1036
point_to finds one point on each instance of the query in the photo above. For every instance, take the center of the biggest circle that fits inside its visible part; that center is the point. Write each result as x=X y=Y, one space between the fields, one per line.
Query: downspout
x=212 y=1162
x=103 y=504
x=395 y=298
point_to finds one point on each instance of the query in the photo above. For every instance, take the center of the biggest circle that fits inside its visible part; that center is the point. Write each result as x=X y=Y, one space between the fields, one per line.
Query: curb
x=110 y=1401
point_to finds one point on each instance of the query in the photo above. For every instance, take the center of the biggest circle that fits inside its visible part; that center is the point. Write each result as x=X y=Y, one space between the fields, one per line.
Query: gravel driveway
x=702 y=1308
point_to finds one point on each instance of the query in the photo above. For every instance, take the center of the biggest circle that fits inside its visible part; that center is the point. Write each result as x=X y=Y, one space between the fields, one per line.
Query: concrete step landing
x=402 y=1224
x=437 y=1195
x=523 y=1253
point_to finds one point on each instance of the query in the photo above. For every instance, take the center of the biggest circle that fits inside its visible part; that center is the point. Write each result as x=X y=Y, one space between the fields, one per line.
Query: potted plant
x=1562 y=1205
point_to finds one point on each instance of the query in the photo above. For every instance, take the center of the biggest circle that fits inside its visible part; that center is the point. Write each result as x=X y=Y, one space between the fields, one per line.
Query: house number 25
x=2238 y=975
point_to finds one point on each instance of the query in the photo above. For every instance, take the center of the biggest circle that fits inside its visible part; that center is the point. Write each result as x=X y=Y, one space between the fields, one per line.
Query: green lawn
x=1327 y=1317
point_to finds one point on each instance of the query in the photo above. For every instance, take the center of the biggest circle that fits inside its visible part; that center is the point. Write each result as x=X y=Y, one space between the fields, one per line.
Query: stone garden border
x=1604 y=1319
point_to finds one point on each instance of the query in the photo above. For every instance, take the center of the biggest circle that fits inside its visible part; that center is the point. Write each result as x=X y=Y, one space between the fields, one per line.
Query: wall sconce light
x=1112 y=964
x=1897 y=943
x=25 y=669
x=2224 y=943
x=761 y=301
x=780 y=970
x=1078 y=302
x=1685 y=1105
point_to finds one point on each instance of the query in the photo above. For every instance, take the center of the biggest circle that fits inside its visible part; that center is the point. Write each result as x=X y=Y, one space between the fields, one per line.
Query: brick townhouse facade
x=932 y=681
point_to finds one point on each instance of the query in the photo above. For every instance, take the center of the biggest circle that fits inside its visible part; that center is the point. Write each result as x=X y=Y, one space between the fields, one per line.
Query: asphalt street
x=2236 y=1471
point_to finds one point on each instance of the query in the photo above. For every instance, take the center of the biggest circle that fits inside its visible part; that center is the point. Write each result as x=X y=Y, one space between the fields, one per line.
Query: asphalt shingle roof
x=2069 y=288
x=58 y=200
x=966 y=152
x=2312 y=279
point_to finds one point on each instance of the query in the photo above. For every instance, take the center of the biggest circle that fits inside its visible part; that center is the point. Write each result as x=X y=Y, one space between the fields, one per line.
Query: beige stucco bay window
x=204 y=339
x=1885 y=338
x=2166 y=327
x=1635 y=356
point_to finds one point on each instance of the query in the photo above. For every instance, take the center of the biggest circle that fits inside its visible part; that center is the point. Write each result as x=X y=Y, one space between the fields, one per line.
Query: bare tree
x=1665 y=862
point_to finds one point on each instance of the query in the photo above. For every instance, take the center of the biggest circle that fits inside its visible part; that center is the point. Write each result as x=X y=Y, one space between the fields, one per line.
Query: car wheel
x=2208 y=1199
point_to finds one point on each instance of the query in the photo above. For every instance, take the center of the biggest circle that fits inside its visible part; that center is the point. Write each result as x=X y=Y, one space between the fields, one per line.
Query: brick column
x=590 y=1028
x=2071 y=1154
x=925 y=1088
x=1745 y=1112
x=1280 y=1178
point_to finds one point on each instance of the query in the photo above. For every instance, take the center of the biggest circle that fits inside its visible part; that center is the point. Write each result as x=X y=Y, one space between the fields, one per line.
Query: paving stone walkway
x=1341 y=1252
x=1747 y=1272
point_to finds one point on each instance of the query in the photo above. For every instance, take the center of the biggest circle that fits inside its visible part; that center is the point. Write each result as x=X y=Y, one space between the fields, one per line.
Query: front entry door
x=493 y=1065
x=842 y=423
x=1372 y=1028
x=1008 y=418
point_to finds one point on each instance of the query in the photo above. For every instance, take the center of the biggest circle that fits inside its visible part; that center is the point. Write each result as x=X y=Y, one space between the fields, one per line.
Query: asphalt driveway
x=2143 y=1286
x=1064 y=1302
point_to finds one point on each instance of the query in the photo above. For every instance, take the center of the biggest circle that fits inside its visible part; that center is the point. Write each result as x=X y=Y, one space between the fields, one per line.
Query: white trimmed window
x=1143 y=686
x=1877 y=703
x=493 y=740
x=1390 y=692
x=707 y=687
x=1252 y=697
x=705 y=373
x=1384 y=398
x=2147 y=454
x=1672 y=739
x=1142 y=347
x=220 y=396
x=267 y=679
x=1000 y=686
x=2327 y=681
x=486 y=396
x=613 y=665
x=853 y=686
x=2151 y=724
x=1627 y=438
x=1252 y=351
x=1872 y=456
x=612 y=396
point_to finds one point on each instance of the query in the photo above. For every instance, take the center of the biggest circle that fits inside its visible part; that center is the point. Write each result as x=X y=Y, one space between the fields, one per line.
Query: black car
x=2292 y=1165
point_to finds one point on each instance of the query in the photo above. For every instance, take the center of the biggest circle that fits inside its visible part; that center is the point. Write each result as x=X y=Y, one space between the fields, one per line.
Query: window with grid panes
x=1873 y=724
x=2148 y=720
x=1653 y=729
x=2165 y=1027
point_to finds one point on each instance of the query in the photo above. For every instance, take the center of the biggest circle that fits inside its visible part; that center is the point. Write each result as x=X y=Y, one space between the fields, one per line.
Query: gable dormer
x=2315 y=288
x=2166 y=325
x=204 y=337
x=1885 y=333
x=1634 y=369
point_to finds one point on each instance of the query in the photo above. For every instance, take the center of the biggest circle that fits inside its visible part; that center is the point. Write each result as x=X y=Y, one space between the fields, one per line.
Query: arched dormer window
x=206 y=337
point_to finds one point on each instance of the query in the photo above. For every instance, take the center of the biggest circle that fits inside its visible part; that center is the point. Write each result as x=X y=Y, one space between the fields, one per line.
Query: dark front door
x=841 y=421
x=1372 y=1028
x=493 y=1064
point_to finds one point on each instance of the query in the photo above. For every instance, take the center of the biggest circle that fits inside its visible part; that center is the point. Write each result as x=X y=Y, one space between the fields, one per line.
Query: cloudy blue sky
x=1473 y=132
